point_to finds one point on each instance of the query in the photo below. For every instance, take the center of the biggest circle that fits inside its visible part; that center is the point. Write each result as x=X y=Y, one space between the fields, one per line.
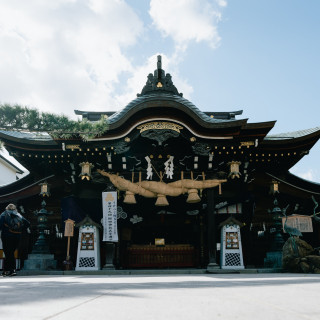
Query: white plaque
x=109 y=205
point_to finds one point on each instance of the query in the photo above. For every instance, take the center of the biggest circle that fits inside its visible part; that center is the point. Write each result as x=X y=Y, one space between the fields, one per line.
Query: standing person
x=12 y=224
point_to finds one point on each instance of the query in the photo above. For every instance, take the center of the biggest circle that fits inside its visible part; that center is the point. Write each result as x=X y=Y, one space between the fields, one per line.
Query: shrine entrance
x=161 y=237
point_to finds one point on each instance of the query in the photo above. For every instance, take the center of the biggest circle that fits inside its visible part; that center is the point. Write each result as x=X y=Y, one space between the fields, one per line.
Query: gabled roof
x=88 y=221
x=96 y=115
x=160 y=100
x=231 y=220
x=166 y=97
x=160 y=92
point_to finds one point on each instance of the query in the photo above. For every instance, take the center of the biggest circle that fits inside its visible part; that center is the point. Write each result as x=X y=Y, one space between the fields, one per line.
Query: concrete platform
x=145 y=272
x=158 y=297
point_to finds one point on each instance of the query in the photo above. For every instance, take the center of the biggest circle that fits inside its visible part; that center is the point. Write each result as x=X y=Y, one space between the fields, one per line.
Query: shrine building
x=181 y=175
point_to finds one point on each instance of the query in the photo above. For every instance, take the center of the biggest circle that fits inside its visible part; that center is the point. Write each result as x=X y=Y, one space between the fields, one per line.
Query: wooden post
x=68 y=249
x=68 y=232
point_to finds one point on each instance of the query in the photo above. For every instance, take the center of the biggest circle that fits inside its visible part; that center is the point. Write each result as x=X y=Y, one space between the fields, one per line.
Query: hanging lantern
x=44 y=189
x=162 y=201
x=234 y=169
x=129 y=198
x=193 y=196
x=274 y=187
x=85 y=170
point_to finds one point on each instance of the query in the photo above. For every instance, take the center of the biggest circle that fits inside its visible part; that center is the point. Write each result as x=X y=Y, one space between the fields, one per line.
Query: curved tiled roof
x=297 y=182
x=292 y=135
x=165 y=97
x=40 y=136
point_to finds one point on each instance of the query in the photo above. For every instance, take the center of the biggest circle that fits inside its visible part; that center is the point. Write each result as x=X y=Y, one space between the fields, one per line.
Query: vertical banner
x=109 y=206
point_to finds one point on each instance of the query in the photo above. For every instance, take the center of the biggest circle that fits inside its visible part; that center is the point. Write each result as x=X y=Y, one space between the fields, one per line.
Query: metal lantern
x=86 y=170
x=42 y=245
x=234 y=169
x=44 y=189
x=274 y=187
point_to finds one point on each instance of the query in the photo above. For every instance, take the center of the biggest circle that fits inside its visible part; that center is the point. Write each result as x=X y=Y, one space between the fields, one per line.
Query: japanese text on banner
x=109 y=205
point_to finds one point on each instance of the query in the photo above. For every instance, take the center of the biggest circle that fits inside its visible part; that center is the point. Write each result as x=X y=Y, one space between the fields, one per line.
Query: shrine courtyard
x=206 y=296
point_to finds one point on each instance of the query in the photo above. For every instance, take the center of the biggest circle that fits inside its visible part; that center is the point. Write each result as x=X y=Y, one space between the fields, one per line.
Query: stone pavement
x=165 y=297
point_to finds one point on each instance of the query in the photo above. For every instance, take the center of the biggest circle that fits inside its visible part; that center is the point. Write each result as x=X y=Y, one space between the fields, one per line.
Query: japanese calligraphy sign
x=69 y=228
x=300 y=222
x=109 y=206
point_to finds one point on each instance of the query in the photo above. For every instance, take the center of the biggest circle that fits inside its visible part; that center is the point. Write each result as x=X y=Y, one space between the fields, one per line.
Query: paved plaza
x=207 y=296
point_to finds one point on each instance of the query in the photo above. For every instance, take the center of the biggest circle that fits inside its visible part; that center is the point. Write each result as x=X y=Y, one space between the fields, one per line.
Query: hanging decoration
x=121 y=214
x=193 y=196
x=274 y=187
x=234 y=169
x=169 y=168
x=157 y=189
x=129 y=198
x=44 y=189
x=161 y=198
x=149 y=168
x=165 y=212
x=192 y=212
x=135 y=219
x=86 y=170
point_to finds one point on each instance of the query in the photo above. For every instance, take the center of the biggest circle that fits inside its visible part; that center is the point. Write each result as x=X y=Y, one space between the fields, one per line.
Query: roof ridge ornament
x=159 y=82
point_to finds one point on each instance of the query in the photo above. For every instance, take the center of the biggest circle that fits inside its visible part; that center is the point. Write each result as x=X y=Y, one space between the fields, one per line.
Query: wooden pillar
x=212 y=231
x=202 y=242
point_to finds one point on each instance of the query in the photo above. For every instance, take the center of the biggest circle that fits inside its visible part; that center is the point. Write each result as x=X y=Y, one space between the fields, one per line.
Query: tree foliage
x=21 y=118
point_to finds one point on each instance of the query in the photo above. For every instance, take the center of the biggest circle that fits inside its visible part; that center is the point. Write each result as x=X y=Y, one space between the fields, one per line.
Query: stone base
x=273 y=259
x=108 y=265
x=212 y=267
x=40 y=261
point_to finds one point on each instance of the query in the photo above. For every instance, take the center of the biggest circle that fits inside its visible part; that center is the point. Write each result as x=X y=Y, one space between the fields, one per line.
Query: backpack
x=14 y=222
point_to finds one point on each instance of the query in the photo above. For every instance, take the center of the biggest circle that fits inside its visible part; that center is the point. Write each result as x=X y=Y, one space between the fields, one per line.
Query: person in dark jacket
x=10 y=239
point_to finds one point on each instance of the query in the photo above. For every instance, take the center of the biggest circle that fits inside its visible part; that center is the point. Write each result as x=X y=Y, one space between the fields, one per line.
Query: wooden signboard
x=69 y=228
x=68 y=232
x=300 y=222
x=159 y=242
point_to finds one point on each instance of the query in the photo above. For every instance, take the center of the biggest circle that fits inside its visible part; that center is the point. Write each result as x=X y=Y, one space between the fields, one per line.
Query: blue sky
x=259 y=56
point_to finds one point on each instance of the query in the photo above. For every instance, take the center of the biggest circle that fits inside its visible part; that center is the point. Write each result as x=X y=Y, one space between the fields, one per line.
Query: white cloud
x=307 y=174
x=222 y=3
x=66 y=54
x=188 y=20
x=71 y=54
